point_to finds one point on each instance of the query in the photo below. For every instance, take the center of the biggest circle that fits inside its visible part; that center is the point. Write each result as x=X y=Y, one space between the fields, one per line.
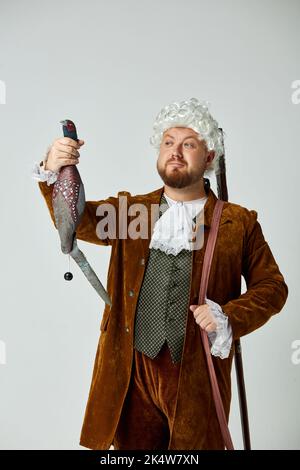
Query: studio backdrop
x=110 y=67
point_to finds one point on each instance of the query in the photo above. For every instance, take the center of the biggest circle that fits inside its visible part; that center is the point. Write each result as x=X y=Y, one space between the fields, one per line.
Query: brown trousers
x=147 y=415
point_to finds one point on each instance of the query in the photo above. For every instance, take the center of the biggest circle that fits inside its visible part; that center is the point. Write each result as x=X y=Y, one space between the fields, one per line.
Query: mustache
x=172 y=160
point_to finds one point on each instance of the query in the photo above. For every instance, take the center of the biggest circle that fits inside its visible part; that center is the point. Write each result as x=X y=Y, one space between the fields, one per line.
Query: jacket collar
x=153 y=200
x=156 y=196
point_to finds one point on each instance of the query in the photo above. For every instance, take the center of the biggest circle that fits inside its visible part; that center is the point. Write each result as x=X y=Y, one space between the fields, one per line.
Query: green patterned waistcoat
x=163 y=301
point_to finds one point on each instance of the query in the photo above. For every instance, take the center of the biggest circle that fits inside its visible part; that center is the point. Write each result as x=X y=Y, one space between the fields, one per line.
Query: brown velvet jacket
x=240 y=250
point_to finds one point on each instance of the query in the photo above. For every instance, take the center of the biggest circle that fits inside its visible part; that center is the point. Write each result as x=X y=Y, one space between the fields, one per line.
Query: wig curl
x=195 y=115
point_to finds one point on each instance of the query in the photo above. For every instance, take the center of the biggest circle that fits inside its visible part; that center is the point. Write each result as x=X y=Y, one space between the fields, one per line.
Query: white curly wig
x=195 y=115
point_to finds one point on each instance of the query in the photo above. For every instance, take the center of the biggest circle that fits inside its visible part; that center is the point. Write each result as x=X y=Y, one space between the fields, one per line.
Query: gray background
x=111 y=66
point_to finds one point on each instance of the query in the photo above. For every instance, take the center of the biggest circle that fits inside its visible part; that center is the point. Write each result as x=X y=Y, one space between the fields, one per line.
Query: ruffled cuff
x=221 y=339
x=39 y=174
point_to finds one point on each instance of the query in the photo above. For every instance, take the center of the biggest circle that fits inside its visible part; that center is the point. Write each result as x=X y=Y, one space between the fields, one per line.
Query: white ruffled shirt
x=172 y=233
x=40 y=174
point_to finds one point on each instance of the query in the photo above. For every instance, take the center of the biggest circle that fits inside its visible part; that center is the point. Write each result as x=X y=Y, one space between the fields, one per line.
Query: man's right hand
x=63 y=151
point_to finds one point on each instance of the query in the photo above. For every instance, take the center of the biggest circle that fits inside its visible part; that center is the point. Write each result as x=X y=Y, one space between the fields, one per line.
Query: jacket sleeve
x=266 y=291
x=90 y=228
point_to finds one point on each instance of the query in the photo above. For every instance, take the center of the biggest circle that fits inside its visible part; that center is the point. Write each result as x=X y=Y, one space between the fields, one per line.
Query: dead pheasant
x=68 y=200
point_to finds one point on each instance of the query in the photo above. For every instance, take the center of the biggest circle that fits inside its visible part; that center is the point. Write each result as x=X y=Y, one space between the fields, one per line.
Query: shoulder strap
x=201 y=300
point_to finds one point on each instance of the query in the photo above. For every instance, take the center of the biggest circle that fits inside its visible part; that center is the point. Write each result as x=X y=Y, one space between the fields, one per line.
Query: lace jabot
x=174 y=230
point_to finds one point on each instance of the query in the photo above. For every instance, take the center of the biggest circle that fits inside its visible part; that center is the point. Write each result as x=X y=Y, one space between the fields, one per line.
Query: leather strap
x=201 y=300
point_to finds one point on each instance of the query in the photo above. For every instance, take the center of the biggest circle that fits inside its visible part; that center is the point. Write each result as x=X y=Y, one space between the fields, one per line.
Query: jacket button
x=131 y=293
x=142 y=261
x=126 y=329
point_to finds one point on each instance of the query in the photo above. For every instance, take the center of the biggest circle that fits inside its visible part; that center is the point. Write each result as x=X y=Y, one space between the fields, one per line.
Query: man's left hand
x=204 y=317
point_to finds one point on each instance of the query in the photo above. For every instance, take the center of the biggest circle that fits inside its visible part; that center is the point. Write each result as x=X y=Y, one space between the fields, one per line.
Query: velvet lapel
x=152 y=202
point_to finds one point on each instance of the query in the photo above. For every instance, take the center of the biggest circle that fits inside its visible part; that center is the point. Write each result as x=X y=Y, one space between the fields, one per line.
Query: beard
x=179 y=177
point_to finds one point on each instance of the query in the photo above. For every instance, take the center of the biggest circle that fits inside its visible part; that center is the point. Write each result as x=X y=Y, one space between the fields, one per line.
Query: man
x=150 y=387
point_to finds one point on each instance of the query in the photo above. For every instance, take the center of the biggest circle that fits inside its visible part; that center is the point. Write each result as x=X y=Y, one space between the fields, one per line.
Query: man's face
x=182 y=158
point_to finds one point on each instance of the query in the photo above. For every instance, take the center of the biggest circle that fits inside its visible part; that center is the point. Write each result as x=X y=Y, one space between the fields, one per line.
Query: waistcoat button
x=131 y=293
